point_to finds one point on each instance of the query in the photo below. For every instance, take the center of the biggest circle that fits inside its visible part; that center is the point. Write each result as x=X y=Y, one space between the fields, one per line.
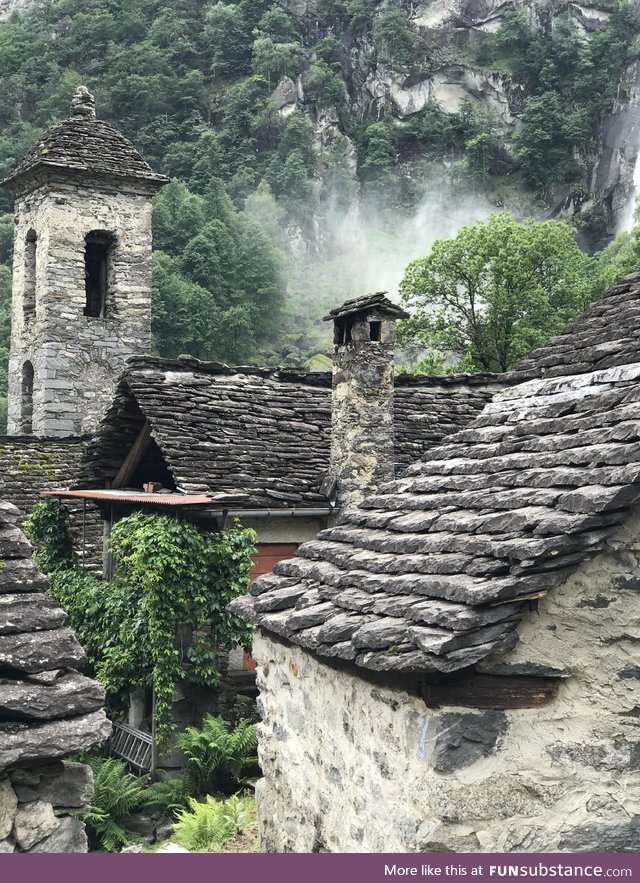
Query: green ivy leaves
x=164 y=617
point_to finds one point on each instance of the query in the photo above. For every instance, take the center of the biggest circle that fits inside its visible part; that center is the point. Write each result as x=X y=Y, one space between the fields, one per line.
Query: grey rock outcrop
x=47 y=709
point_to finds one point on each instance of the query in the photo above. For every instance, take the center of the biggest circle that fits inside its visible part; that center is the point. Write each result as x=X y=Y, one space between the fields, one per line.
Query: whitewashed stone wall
x=349 y=766
x=77 y=358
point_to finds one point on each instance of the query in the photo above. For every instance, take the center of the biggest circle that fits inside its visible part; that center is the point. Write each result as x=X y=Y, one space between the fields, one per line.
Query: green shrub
x=208 y=826
x=117 y=793
x=168 y=574
x=216 y=758
x=49 y=526
x=168 y=796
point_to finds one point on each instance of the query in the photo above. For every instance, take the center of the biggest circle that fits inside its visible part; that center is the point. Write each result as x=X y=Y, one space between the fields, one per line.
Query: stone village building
x=81 y=277
x=256 y=442
x=81 y=303
x=456 y=659
x=454 y=665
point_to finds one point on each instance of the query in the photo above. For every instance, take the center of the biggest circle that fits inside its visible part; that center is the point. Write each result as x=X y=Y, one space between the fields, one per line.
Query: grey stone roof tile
x=263 y=432
x=447 y=557
x=86 y=146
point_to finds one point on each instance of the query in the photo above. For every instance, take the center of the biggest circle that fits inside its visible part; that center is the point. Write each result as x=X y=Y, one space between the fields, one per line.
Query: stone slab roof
x=433 y=573
x=30 y=465
x=48 y=709
x=377 y=302
x=606 y=335
x=86 y=145
x=259 y=431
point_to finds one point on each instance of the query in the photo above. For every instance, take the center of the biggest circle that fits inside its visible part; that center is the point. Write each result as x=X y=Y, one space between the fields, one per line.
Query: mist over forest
x=315 y=148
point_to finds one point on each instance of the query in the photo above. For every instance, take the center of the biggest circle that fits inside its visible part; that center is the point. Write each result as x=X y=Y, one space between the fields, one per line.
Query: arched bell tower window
x=98 y=254
x=26 y=400
x=29 y=288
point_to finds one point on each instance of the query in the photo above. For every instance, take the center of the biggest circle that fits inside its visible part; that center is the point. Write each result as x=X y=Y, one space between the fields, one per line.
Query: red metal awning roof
x=137 y=497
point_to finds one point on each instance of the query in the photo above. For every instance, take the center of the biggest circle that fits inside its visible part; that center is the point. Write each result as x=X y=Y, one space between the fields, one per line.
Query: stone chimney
x=362 y=432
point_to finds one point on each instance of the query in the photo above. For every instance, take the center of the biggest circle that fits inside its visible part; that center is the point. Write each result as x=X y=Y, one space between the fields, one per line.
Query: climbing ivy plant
x=164 y=617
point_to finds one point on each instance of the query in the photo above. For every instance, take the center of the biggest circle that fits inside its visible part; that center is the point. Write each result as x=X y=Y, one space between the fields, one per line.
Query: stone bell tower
x=81 y=272
x=362 y=434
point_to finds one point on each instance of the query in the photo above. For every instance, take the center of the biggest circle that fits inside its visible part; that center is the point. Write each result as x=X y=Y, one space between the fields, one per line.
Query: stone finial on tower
x=83 y=104
x=362 y=437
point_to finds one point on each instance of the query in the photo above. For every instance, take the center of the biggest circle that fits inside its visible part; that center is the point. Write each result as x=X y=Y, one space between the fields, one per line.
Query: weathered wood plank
x=500 y=692
x=131 y=461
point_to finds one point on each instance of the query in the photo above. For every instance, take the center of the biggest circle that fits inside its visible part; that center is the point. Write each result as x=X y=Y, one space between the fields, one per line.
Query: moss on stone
x=38 y=464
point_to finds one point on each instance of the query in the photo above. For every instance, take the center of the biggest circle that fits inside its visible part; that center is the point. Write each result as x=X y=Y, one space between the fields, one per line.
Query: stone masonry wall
x=30 y=465
x=350 y=766
x=77 y=358
x=37 y=805
x=48 y=708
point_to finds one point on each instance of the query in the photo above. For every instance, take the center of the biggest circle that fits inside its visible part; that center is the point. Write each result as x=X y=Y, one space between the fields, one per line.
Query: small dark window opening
x=342 y=331
x=375 y=329
x=29 y=287
x=26 y=400
x=97 y=254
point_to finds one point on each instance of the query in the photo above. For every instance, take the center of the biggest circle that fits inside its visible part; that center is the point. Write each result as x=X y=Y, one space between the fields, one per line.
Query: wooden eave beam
x=133 y=458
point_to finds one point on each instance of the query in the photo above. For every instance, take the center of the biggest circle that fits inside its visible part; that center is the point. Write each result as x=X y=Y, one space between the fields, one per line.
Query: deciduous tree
x=496 y=290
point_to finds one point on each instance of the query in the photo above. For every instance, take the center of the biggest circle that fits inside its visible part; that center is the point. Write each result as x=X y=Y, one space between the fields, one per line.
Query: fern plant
x=215 y=756
x=208 y=826
x=168 y=796
x=117 y=793
x=239 y=812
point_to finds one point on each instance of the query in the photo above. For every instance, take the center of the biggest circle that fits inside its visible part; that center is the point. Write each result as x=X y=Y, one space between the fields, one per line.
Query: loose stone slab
x=27 y=743
x=38 y=651
x=68 y=696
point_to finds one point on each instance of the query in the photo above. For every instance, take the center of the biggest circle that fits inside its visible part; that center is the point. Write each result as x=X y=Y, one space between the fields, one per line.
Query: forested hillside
x=318 y=146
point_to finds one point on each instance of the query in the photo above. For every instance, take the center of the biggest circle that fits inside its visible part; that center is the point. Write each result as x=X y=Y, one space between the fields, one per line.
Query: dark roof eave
x=154 y=179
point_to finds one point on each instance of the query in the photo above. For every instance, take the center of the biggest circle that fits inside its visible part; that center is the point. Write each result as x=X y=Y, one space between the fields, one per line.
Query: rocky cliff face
x=398 y=61
x=7 y=7
x=444 y=73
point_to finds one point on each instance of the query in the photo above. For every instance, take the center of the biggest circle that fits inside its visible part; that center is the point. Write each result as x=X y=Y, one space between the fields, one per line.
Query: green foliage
x=165 y=616
x=190 y=85
x=228 y=36
x=49 y=526
x=273 y=60
x=215 y=756
x=361 y=15
x=181 y=578
x=393 y=35
x=290 y=172
x=208 y=826
x=378 y=152
x=117 y=793
x=279 y=24
x=324 y=86
x=618 y=259
x=496 y=290
x=6 y=239
x=569 y=82
x=546 y=139
x=218 y=289
x=168 y=796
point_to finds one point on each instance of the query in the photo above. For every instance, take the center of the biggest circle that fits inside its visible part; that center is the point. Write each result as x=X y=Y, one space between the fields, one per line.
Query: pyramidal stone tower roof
x=434 y=572
x=84 y=144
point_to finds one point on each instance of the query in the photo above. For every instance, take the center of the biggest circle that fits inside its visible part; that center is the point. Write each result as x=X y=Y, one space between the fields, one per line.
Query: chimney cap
x=378 y=302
